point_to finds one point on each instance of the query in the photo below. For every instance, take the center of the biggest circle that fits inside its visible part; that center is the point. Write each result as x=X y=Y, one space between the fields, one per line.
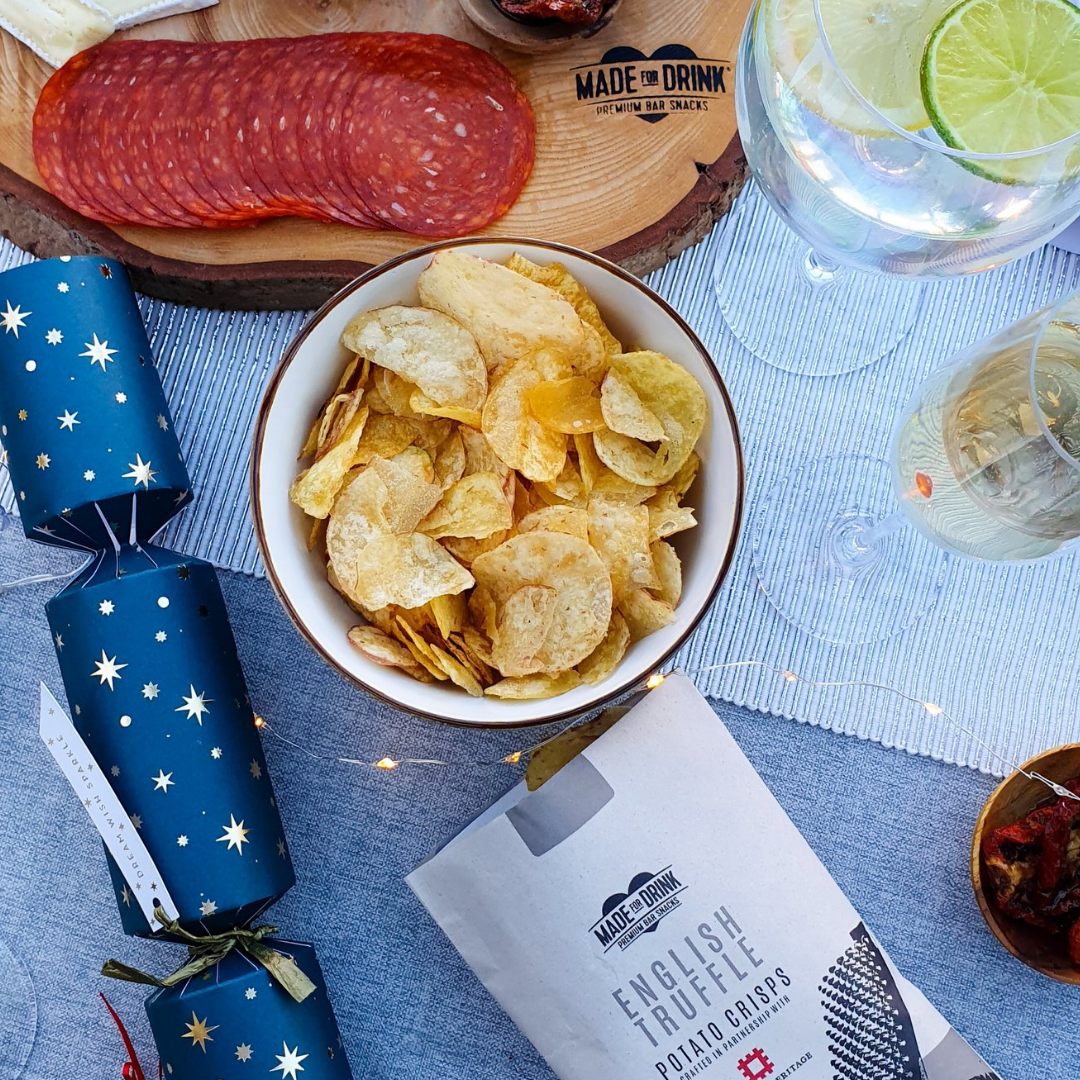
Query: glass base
x=18 y=1015
x=805 y=540
x=796 y=314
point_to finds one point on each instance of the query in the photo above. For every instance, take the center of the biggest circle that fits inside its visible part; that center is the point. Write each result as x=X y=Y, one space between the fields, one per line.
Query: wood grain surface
x=637 y=156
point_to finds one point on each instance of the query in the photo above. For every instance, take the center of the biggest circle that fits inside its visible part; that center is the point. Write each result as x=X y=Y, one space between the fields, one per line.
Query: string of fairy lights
x=388 y=763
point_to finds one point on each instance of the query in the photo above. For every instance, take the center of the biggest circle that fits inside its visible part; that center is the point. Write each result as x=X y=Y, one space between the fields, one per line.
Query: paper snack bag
x=651 y=913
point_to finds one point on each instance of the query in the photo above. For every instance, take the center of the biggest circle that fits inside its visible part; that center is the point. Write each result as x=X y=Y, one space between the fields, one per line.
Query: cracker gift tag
x=651 y=912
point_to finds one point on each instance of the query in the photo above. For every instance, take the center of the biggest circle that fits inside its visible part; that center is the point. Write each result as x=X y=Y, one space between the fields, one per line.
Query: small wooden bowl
x=1014 y=799
x=531 y=37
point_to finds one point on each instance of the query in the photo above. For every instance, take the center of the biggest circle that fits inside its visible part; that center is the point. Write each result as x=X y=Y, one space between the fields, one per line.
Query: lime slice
x=1003 y=76
x=878 y=44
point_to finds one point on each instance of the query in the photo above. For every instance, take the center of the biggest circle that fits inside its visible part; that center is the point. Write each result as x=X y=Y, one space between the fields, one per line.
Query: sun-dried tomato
x=575 y=12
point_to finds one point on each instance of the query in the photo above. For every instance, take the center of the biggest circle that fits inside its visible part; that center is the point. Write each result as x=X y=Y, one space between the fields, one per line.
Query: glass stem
x=854 y=544
x=820 y=271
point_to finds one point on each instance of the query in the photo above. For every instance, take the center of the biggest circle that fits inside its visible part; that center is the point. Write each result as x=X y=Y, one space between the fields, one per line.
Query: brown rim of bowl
x=417 y=253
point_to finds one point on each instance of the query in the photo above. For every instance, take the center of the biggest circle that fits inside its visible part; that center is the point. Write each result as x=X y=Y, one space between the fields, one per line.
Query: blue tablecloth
x=894 y=829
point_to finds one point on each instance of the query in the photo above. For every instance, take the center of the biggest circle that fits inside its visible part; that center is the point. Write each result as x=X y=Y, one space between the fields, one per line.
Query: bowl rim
x=618 y=687
x=992 y=918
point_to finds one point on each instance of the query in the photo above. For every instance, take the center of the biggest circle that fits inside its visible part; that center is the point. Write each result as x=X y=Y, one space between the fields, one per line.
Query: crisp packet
x=651 y=912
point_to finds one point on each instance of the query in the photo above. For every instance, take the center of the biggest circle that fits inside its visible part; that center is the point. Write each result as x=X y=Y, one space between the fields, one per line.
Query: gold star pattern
x=68 y=421
x=195 y=705
x=198 y=1032
x=255 y=770
x=150 y=691
x=243 y=1052
x=106 y=607
x=99 y=352
x=107 y=669
x=141 y=472
x=43 y=461
x=22 y=414
x=163 y=781
x=289 y=1062
x=208 y=907
x=235 y=834
x=14 y=318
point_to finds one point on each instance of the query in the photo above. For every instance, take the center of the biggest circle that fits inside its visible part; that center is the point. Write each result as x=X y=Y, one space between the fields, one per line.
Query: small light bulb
x=260 y=722
x=790 y=676
x=514 y=758
x=387 y=763
x=654 y=681
x=932 y=709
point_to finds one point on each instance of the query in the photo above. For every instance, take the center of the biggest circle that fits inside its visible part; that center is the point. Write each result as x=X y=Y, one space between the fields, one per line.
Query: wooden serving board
x=637 y=152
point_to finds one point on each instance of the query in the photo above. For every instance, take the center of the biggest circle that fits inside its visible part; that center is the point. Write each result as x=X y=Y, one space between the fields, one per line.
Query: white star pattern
x=160 y=635
x=289 y=1062
x=255 y=771
x=14 y=318
x=68 y=421
x=181 y=841
x=162 y=422
x=195 y=705
x=235 y=834
x=125 y=896
x=107 y=669
x=115 y=770
x=59 y=643
x=216 y=753
x=136 y=820
x=141 y=472
x=243 y=1052
x=89 y=474
x=99 y=352
x=62 y=286
x=121 y=397
x=106 y=607
x=53 y=337
x=250 y=993
x=281 y=848
x=163 y=781
x=150 y=691
x=208 y=907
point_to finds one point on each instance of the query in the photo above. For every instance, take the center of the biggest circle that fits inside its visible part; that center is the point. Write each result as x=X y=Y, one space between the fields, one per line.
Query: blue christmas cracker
x=236 y=1021
x=83 y=417
x=149 y=663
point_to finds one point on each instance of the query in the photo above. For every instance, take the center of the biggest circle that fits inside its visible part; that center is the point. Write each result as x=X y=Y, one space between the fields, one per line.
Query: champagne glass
x=891 y=142
x=985 y=464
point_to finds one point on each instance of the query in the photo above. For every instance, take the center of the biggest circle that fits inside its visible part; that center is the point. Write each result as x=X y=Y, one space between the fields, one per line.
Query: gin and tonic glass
x=891 y=142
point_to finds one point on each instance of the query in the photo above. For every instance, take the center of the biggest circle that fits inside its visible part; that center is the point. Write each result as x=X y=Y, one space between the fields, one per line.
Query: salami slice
x=55 y=120
x=441 y=140
x=396 y=131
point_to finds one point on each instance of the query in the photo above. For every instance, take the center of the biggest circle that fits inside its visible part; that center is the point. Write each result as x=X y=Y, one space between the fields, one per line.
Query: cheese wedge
x=126 y=13
x=55 y=29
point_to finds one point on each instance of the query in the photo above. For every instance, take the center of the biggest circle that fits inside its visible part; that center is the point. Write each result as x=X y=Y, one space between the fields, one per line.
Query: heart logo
x=637 y=882
x=627 y=54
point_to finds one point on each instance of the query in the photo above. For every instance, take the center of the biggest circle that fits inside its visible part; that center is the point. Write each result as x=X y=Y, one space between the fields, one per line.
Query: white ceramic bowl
x=309 y=371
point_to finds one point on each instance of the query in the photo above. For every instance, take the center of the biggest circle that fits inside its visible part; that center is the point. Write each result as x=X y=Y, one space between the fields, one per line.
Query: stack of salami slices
x=415 y=132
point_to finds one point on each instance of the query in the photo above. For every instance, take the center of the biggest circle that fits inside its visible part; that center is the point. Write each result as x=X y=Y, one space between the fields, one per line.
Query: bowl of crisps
x=496 y=482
